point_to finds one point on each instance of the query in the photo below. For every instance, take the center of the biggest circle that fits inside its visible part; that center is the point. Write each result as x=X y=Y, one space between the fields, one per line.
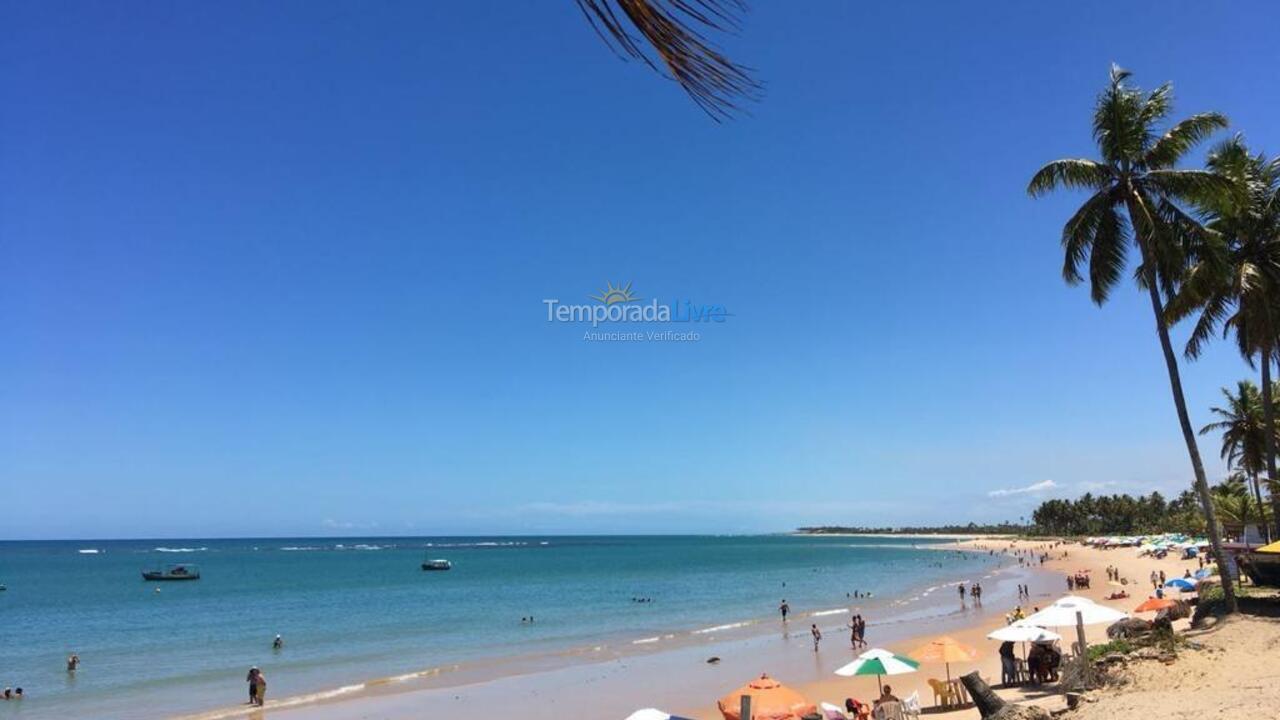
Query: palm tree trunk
x=1262 y=521
x=1140 y=218
x=1269 y=419
x=1188 y=435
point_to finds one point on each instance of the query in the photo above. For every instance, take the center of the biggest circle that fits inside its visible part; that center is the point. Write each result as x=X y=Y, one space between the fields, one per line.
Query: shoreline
x=574 y=666
x=612 y=687
x=594 y=664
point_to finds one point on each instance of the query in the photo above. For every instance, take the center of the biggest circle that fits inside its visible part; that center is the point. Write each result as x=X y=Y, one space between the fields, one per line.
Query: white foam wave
x=179 y=550
x=721 y=628
x=821 y=613
x=89 y=551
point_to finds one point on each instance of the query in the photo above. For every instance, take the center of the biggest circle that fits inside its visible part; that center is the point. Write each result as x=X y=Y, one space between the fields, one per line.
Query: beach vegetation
x=1138 y=200
x=1237 y=292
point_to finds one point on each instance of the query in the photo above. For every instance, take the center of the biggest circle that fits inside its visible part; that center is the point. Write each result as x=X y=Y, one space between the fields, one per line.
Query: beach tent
x=1063 y=613
x=1155 y=605
x=652 y=714
x=770 y=700
x=944 y=650
x=879 y=662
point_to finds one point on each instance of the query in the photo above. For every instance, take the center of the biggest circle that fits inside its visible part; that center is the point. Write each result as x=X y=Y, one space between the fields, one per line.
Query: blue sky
x=279 y=268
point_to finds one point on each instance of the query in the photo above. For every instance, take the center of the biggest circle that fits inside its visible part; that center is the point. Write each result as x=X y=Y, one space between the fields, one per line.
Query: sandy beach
x=681 y=681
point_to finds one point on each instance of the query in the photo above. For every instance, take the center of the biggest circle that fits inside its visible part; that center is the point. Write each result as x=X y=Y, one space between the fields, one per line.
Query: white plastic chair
x=889 y=711
x=911 y=705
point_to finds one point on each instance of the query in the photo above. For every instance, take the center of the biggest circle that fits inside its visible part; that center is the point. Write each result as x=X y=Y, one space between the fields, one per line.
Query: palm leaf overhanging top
x=674 y=29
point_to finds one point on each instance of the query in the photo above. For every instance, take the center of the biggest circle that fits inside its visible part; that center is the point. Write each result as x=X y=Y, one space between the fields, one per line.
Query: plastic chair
x=941 y=692
x=889 y=711
x=911 y=705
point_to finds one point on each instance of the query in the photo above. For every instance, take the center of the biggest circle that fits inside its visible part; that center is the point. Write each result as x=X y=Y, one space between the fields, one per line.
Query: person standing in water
x=817 y=636
x=252 y=679
x=784 y=608
x=261 y=694
x=278 y=643
x=73 y=662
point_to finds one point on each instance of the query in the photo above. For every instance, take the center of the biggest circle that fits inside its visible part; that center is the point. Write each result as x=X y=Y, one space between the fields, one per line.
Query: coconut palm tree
x=1243 y=425
x=1135 y=195
x=675 y=34
x=1241 y=296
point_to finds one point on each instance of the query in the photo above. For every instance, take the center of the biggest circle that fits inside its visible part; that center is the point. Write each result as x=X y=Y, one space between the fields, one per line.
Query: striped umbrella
x=879 y=662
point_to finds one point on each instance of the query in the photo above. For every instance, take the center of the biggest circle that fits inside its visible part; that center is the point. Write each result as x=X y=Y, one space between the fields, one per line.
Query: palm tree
x=1243 y=425
x=1135 y=195
x=1242 y=294
x=676 y=33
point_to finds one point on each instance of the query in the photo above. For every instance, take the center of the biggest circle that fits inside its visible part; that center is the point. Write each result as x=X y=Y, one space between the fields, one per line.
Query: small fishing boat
x=173 y=572
x=436 y=565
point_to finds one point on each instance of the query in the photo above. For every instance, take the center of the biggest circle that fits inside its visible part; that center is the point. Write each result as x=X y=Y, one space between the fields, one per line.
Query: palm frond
x=1069 y=173
x=674 y=31
x=1169 y=149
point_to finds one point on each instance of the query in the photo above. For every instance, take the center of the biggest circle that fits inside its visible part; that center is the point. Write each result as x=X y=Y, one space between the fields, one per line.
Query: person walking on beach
x=817 y=636
x=252 y=679
x=853 y=631
x=261 y=694
x=862 y=631
x=784 y=608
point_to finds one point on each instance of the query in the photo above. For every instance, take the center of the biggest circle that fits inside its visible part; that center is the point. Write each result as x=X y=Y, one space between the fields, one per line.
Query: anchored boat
x=173 y=572
x=436 y=565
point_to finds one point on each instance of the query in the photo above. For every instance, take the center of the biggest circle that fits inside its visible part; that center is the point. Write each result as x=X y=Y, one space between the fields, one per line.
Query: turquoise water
x=354 y=609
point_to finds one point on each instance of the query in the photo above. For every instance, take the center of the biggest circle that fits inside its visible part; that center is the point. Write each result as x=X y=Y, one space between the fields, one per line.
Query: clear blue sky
x=278 y=268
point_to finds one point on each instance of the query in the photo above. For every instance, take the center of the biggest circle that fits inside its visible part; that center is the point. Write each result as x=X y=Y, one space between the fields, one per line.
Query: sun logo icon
x=613 y=295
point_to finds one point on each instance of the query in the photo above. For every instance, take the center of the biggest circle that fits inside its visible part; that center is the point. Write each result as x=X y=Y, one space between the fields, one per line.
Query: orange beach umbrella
x=946 y=650
x=770 y=700
x=1155 y=605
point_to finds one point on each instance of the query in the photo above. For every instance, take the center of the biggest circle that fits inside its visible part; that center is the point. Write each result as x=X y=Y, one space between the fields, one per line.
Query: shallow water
x=353 y=609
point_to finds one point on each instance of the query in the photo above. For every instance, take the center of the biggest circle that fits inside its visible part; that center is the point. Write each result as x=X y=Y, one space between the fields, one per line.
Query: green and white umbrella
x=879 y=662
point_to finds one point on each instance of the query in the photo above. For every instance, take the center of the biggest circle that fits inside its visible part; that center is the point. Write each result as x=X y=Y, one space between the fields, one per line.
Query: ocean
x=355 y=609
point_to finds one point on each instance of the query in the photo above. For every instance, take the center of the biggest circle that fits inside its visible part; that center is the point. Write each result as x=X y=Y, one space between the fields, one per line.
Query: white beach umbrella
x=651 y=714
x=1063 y=613
x=1022 y=631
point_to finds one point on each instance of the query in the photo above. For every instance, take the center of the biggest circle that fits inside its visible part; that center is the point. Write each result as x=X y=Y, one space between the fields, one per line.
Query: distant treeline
x=1118 y=515
x=970 y=529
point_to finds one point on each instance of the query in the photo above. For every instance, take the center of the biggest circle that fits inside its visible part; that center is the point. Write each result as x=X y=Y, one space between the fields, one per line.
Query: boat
x=173 y=572
x=436 y=565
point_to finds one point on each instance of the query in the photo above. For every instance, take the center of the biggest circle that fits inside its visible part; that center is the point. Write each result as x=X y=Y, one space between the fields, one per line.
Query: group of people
x=1078 y=581
x=257 y=686
x=12 y=694
x=975 y=592
x=862 y=711
x=1024 y=592
x=857 y=631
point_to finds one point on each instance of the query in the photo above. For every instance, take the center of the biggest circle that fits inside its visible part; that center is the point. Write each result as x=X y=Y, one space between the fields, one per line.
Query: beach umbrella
x=1182 y=584
x=1022 y=631
x=770 y=700
x=879 y=662
x=944 y=650
x=1202 y=573
x=1155 y=605
x=1063 y=613
x=652 y=714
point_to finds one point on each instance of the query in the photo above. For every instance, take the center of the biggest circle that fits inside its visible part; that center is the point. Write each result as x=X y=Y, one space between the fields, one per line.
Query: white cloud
x=1039 y=487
